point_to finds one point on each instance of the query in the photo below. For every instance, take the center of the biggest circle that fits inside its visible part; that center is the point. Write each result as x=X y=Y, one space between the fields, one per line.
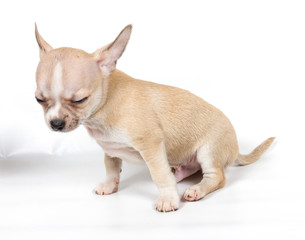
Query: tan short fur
x=169 y=129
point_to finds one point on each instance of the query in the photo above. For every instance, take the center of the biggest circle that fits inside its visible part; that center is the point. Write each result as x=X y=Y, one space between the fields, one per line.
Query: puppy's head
x=71 y=83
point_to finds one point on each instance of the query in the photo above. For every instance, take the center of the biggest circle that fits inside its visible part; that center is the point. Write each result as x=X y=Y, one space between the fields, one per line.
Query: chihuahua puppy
x=172 y=131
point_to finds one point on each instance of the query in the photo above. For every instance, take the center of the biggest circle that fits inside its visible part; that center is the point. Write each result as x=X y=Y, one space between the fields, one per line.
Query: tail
x=255 y=154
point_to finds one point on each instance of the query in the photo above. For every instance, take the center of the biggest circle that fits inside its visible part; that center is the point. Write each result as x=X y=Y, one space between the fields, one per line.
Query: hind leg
x=213 y=175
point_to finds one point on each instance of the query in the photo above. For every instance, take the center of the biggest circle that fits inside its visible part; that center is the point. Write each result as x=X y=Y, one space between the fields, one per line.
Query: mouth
x=58 y=125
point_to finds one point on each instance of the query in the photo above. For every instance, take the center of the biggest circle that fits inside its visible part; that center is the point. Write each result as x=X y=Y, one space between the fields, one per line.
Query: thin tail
x=255 y=154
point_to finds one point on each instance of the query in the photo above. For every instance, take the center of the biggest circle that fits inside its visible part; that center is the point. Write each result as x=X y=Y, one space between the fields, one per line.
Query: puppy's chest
x=115 y=144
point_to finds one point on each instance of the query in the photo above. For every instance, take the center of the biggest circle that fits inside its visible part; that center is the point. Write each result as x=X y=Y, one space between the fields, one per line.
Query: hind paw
x=193 y=194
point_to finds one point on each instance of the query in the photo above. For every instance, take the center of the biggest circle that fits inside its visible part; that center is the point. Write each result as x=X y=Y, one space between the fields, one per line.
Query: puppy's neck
x=110 y=85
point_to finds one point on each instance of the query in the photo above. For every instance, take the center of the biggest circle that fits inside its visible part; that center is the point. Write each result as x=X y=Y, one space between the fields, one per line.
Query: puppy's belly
x=129 y=154
x=121 y=151
x=187 y=169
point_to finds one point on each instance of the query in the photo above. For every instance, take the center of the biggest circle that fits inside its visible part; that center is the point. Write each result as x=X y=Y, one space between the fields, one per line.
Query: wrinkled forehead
x=66 y=71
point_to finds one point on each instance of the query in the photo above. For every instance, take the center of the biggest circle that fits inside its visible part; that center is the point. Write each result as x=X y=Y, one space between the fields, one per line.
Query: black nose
x=57 y=125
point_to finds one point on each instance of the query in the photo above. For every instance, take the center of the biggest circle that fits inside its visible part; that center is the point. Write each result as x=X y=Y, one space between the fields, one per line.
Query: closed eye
x=41 y=101
x=79 y=101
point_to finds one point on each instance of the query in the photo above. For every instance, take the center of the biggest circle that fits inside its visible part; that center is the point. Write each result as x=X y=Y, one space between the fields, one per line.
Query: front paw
x=108 y=187
x=167 y=203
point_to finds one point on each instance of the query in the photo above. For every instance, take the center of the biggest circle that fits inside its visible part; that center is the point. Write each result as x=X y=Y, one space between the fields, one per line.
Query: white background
x=245 y=57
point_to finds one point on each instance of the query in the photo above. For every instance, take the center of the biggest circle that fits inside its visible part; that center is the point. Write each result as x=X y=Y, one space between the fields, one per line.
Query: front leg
x=113 y=169
x=155 y=157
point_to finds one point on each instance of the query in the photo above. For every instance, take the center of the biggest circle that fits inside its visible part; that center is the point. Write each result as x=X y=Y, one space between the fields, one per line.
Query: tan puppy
x=171 y=130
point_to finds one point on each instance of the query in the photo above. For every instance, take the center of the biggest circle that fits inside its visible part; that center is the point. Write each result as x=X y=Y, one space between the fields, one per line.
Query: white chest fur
x=115 y=144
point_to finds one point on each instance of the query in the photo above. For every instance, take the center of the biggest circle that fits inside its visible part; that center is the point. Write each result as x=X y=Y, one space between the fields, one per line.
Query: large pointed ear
x=107 y=56
x=43 y=45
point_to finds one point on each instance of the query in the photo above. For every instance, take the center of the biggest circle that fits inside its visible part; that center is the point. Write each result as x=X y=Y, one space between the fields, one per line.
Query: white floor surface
x=48 y=197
